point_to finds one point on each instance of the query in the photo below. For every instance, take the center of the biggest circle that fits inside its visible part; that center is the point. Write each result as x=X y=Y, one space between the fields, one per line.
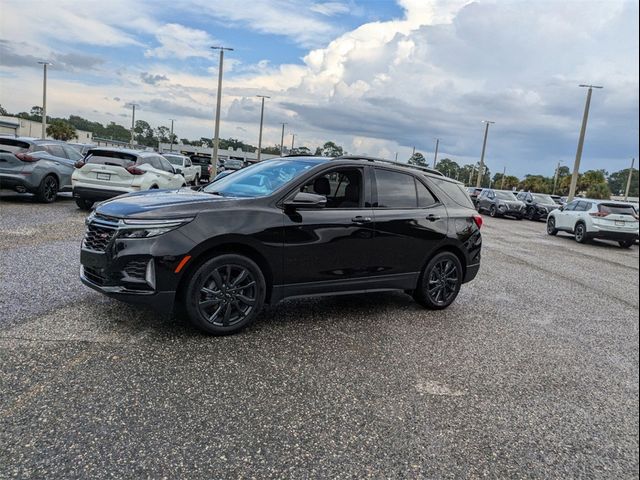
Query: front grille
x=98 y=237
x=94 y=275
x=136 y=269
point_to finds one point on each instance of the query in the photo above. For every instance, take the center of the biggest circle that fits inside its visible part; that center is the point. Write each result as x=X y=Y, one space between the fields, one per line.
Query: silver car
x=40 y=167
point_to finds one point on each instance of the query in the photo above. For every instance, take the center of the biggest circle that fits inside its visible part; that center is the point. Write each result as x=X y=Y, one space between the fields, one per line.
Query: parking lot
x=532 y=372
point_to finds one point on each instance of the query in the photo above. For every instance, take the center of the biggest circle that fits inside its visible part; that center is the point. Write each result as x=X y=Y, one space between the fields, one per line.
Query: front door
x=328 y=249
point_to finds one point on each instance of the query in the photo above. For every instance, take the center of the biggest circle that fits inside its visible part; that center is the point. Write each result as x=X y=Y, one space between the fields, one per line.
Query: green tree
x=618 y=182
x=417 y=159
x=61 y=130
x=275 y=150
x=36 y=113
x=330 y=149
x=185 y=141
x=510 y=181
x=536 y=183
x=599 y=191
x=3 y=112
x=301 y=151
x=144 y=134
x=591 y=178
x=448 y=167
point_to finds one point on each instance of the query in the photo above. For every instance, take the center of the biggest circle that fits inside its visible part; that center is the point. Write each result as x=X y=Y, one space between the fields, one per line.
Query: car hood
x=161 y=204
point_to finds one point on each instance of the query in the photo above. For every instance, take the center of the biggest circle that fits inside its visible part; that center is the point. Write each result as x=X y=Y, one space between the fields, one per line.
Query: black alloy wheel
x=530 y=214
x=440 y=282
x=48 y=189
x=551 y=226
x=225 y=294
x=626 y=243
x=83 y=204
x=580 y=233
x=493 y=212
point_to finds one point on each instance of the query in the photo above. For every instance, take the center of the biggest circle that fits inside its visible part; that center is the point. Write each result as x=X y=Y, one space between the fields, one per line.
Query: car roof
x=35 y=140
x=130 y=151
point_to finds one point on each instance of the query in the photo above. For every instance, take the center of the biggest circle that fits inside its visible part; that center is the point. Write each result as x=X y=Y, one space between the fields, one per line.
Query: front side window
x=395 y=190
x=583 y=206
x=504 y=196
x=174 y=160
x=343 y=187
x=571 y=206
x=56 y=151
x=261 y=179
x=72 y=153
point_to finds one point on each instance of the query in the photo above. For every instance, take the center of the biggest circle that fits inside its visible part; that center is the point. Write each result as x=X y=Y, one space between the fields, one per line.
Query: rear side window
x=116 y=159
x=455 y=192
x=571 y=207
x=10 y=145
x=583 y=206
x=425 y=197
x=395 y=190
x=616 y=209
x=72 y=153
x=56 y=151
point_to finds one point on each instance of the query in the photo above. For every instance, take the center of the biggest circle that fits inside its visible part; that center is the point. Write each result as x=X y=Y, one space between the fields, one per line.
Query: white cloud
x=178 y=41
x=329 y=8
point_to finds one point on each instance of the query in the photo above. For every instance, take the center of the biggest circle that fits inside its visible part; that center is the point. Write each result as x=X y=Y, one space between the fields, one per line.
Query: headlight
x=150 y=228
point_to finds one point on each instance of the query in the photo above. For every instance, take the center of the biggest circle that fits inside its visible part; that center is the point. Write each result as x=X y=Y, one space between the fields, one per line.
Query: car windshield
x=261 y=179
x=174 y=159
x=115 y=159
x=546 y=199
x=504 y=195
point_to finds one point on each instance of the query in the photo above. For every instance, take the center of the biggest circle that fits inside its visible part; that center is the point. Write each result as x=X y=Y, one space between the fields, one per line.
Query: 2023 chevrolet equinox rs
x=282 y=228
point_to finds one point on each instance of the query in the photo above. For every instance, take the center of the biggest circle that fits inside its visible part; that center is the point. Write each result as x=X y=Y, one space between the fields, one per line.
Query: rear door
x=410 y=222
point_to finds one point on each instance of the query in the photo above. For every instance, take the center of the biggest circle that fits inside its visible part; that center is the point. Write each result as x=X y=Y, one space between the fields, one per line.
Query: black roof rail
x=433 y=171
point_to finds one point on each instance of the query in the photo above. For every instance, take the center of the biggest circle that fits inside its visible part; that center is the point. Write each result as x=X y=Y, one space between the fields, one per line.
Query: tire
x=212 y=302
x=580 y=233
x=440 y=282
x=48 y=189
x=626 y=243
x=196 y=180
x=83 y=204
x=551 y=226
x=493 y=211
x=530 y=214
x=519 y=217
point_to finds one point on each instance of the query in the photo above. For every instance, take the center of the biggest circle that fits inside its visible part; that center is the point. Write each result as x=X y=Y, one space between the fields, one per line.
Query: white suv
x=587 y=219
x=185 y=167
x=108 y=172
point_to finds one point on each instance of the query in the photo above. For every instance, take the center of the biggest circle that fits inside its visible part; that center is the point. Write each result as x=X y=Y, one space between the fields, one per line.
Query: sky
x=378 y=77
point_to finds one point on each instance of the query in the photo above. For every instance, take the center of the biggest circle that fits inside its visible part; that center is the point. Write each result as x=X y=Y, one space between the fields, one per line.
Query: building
x=22 y=127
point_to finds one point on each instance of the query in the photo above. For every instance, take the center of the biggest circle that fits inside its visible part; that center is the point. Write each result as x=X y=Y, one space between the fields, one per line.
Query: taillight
x=133 y=170
x=25 y=157
x=479 y=221
x=79 y=164
x=599 y=214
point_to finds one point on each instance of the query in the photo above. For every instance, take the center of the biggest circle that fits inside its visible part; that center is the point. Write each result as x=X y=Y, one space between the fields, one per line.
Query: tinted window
x=56 y=151
x=395 y=190
x=571 y=206
x=117 y=159
x=72 y=153
x=13 y=146
x=617 y=209
x=343 y=187
x=455 y=192
x=165 y=165
x=425 y=197
x=583 y=206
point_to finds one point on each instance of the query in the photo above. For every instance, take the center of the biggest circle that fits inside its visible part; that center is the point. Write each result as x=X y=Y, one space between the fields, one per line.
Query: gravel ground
x=532 y=373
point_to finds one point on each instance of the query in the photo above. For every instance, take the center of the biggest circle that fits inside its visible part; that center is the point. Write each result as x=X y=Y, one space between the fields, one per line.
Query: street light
x=435 y=156
x=133 y=121
x=282 y=140
x=556 y=178
x=44 y=97
x=171 y=135
x=626 y=191
x=293 y=139
x=583 y=129
x=261 y=97
x=484 y=147
x=216 y=132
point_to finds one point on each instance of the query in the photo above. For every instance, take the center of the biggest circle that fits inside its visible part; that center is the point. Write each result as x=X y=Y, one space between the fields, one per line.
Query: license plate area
x=620 y=223
x=103 y=176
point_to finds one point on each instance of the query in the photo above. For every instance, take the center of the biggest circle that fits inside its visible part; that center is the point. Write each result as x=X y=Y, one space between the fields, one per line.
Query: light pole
x=473 y=169
x=504 y=173
x=583 y=129
x=282 y=140
x=44 y=97
x=556 y=177
x=435 y=156
x=133 y=122
x=261 y=97
x=293 y=139
x=216 y=130
x=171 y=135
x=484 y=147
x=626 y=192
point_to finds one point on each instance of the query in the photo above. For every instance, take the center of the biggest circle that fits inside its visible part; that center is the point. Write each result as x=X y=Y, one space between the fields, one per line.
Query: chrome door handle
x=360 y=219
x=432 y=218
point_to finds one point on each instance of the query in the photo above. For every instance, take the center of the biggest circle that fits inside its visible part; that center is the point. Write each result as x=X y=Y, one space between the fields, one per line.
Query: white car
x=108 y=172
x=185 y=167
x=587 y=219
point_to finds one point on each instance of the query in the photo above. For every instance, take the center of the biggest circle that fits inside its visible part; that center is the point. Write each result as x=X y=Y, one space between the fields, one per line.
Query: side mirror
x=306 y=200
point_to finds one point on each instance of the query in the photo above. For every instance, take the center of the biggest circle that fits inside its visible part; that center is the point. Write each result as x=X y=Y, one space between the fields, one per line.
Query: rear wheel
x=493 y=211
x=440 y=282
x=626 y=243
x=196 y=180
x=225 y=294
x=48 y=189
x=551 y=226
x=580 y=233
x=83 y=204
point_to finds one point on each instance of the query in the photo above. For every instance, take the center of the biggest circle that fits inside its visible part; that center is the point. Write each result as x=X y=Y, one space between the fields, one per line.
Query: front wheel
x=83 y=204
x=551 y=226
x=493 y=211
x=225 y=294
x=530 y=214
x=48 y=189
x=440 y=282
x=626 y=243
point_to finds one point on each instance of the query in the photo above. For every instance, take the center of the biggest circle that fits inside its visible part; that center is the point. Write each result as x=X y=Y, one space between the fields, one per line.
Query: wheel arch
x=451 y=248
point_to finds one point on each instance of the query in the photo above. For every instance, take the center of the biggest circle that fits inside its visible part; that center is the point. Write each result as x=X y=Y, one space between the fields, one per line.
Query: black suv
x=282 y=228
x=539 y=205
x=500 y=203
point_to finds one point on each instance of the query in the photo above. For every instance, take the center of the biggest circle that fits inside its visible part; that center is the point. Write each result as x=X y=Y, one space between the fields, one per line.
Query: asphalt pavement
x=531 y=373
